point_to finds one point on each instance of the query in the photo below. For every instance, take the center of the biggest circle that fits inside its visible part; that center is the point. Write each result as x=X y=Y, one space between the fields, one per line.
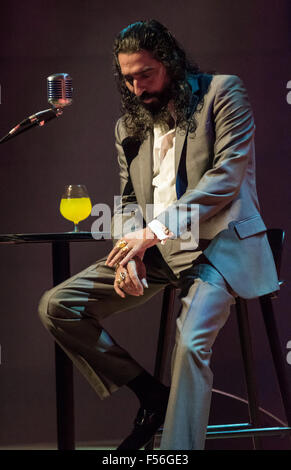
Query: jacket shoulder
x=120 y=133
x=226 y=82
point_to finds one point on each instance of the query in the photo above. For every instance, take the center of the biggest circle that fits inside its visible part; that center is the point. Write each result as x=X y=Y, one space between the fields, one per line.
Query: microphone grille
x=59 y=89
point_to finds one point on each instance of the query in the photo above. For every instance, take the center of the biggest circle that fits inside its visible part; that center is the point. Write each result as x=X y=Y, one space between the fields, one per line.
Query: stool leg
x=164 y=340
x=248 y=361
x=278 y=357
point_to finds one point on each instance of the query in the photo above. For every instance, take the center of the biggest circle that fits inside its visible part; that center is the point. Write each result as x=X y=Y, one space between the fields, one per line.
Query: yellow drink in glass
x=75 y=204
x=76 y=209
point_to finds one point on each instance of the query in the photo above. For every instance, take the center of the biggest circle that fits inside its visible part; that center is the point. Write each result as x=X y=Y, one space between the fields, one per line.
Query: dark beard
x=155 y=113
x=161 y=100
x=161 y=118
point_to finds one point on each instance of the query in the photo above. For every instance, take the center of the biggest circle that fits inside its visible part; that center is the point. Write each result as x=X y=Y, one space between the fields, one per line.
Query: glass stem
x=76 y=228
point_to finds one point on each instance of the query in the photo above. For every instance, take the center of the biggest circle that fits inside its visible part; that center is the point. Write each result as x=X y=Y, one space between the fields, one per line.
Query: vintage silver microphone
x=59 y=89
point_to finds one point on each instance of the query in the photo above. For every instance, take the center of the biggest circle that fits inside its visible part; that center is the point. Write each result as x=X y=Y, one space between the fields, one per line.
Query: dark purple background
x=37 y=38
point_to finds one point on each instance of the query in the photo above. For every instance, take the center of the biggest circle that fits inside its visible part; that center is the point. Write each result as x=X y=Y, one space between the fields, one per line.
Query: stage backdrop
x=248 y=38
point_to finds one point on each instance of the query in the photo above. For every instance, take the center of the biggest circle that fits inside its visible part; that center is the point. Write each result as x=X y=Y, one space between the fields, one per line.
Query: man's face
x=146 y=78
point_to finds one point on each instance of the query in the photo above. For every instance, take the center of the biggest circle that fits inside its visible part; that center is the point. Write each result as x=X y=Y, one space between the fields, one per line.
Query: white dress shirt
x=164 y=177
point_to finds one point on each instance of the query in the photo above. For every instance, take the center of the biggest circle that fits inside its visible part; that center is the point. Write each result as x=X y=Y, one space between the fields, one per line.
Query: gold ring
x=124 y=249
x=122 y=276
x=121 y=244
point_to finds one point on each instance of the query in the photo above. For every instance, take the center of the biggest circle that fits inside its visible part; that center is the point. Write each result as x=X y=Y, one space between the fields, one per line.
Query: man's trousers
x=73 y=312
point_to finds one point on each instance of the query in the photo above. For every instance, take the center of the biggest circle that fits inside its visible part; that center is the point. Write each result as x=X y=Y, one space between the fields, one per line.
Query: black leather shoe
x=146 y=424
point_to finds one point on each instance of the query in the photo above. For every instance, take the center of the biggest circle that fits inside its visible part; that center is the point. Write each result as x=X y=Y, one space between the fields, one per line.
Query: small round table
x=63 y=365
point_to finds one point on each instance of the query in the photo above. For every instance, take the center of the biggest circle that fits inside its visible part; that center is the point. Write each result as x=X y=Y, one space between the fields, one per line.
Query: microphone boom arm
x=37 y=119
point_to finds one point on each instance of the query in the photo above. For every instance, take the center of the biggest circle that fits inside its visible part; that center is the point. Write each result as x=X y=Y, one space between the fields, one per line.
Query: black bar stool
x=253 y=428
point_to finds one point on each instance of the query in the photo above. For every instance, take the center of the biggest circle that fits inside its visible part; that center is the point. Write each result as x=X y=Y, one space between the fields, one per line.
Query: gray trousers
x=73 y=312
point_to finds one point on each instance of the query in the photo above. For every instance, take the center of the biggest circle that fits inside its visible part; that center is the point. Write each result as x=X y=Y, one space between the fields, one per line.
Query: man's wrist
x=151 y=236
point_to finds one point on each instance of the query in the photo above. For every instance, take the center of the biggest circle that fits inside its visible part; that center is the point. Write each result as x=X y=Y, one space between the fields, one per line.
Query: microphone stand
x=38 y=119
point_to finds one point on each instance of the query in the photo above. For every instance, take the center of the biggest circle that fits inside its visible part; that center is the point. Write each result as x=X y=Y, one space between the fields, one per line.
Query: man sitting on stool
x=185 y=138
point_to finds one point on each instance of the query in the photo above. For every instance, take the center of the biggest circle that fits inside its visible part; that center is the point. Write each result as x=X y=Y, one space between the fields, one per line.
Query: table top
x=16 y=238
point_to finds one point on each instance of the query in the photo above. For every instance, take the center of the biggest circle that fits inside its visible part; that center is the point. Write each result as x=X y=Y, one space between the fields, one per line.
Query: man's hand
x=136 y=244
x=131 y=279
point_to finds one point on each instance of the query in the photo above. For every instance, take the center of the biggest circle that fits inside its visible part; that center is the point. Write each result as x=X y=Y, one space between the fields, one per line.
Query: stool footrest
x=228 y=426
x=223 y=431
x=249 y=432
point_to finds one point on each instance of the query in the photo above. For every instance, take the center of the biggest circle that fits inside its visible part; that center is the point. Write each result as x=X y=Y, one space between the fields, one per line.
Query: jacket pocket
x=250 y=226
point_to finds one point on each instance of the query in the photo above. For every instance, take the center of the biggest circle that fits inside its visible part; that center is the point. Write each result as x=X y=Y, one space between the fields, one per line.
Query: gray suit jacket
x=215 y=168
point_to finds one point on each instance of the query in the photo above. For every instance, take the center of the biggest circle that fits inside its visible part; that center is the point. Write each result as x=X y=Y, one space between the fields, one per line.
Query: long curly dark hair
x=152 y=36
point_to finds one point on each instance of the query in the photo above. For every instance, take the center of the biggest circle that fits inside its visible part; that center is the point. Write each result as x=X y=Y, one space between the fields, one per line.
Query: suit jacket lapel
x=180 y=143
x=141 y=171
x=181 y=133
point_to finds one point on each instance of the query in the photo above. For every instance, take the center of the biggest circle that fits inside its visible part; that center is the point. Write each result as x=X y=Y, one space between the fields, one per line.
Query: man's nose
x=138 y=88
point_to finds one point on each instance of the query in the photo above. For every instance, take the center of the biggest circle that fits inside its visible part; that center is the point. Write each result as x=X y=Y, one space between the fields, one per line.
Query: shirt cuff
x=159 y=230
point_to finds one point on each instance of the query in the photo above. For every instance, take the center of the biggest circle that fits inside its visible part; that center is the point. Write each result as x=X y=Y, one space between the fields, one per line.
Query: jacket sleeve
x=233 y=147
